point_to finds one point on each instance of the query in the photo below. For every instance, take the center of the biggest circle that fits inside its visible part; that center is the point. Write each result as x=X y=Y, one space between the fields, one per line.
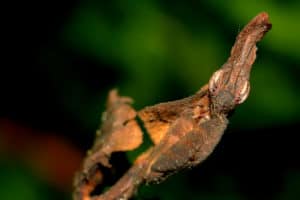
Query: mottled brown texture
x=158 y=118
x=230 y=85
x=184 y=132
x=119 y=132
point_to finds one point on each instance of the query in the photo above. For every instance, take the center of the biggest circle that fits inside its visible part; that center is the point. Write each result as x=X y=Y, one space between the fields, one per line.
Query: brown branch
x=184 y=132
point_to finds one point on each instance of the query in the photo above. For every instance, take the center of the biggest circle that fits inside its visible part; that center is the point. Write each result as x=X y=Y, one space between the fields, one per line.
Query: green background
x=64 y=57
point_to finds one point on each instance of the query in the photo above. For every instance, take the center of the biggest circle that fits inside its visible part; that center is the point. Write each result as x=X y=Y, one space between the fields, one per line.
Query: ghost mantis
x=184 y=132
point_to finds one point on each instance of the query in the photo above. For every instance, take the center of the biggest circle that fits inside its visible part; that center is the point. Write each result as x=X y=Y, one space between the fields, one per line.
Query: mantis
x=184 y=132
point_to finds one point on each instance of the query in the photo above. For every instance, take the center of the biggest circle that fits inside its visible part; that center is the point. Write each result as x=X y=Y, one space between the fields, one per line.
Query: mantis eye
x=214 y=81
x=242 y=93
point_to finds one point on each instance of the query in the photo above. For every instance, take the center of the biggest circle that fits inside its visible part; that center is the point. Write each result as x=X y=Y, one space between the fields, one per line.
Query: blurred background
x=64 y=57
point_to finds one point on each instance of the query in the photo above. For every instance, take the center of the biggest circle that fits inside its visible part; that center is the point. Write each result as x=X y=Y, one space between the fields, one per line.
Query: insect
x=184 y=132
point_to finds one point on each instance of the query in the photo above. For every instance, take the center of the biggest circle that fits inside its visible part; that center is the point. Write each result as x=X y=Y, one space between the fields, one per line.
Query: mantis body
x=184 y=132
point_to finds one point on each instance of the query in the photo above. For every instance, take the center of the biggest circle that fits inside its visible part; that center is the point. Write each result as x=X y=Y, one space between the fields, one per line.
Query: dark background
x=63 y=57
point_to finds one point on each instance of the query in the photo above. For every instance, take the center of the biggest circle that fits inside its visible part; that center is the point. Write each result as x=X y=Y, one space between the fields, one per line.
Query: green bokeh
x=20 y=183
x=164 y=51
